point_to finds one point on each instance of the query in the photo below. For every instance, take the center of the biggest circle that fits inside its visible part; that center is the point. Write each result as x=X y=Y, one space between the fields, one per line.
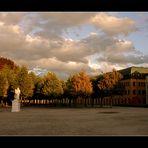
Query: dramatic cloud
x=37 y=40
x=53 y=25
x=114 y=53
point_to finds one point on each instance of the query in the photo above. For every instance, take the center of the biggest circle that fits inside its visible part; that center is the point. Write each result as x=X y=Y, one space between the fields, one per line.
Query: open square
x=74 y=121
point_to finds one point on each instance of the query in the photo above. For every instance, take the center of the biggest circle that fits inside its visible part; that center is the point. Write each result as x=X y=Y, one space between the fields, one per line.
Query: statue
x=16 y=101
x=17 y=93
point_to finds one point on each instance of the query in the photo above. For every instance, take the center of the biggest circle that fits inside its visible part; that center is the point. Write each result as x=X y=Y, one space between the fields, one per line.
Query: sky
x=68 y=42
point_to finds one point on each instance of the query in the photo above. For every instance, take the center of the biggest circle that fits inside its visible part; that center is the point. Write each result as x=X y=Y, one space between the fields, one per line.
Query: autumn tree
x=3 y=87
x=25 y=82
x=38 y=86
x=10 y=74
x=33 y=76
x=79 y=85
x=96 y=92
x=64 y=95
x=7 y=62
x=52 y=86
x=108 y=82
x=9 y=78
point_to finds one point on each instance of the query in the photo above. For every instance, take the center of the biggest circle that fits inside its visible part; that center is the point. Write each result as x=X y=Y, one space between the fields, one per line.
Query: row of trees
x=13 y=78
x=50 y=88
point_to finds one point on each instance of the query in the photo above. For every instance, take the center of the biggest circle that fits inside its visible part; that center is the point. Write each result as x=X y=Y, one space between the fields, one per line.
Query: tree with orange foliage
x=7 y=62
x=79 y=85
x=108 y=82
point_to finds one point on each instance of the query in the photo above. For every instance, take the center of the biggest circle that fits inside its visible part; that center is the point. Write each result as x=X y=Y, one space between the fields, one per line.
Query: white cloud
x=93 y=33
x=114 y=25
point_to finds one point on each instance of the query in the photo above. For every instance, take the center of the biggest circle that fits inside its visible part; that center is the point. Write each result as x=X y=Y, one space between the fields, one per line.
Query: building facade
x=135 y=84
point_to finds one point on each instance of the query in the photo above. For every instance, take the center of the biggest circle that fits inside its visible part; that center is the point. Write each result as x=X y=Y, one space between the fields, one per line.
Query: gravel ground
x=74 y=121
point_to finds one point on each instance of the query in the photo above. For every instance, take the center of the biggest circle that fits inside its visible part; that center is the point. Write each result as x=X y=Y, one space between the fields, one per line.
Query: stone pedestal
x=15 y=106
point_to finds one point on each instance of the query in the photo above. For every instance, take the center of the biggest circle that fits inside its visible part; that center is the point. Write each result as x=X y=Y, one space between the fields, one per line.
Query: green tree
x=34 y=77
x=25 y=82
x=10 y=75
x=64 y=95
x=38 y=83
x=52 y=86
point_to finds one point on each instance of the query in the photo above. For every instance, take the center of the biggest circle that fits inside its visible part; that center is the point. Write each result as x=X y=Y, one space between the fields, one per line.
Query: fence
x=106 y=101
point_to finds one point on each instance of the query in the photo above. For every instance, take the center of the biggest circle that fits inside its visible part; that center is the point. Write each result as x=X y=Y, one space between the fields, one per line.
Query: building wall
x=135 y=89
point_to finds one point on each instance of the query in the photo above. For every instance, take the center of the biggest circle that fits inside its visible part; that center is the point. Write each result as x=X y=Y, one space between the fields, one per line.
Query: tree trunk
x=92 y=101
x=111 y=98
x=69 y=102
x=85 y=102
x=0 y=100
x=101 y=103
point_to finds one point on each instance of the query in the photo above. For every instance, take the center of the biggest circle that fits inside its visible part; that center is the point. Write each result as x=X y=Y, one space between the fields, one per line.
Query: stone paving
x=74 y=121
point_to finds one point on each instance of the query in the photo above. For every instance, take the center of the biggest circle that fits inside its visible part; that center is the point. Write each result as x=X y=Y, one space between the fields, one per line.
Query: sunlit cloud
x=114 y=25
x=37 y=39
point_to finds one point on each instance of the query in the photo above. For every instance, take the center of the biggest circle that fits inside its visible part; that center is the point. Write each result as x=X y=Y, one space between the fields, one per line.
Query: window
x=128 y=84
x=122 y=83
x=133 y=83
x=143 y=92
x=138 y=83
x=128 y=92
x=144 y=84
x=139 y=92
x=134 y=92
x=125 y=83
x=141 y=83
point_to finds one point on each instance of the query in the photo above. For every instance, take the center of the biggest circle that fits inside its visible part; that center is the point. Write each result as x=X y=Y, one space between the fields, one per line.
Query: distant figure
x=17 y=94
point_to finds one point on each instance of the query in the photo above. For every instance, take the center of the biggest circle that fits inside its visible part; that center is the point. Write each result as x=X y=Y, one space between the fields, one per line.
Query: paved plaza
x=74 y=121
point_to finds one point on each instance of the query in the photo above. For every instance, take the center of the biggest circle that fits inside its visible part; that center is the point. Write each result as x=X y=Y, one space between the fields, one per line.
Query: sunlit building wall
x=135 y=84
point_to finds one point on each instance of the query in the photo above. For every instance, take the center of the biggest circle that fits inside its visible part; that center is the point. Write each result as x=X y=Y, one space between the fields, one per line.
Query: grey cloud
x=65 y=51
x=125 y=59
x=54 y=65
x=124 y=55
x=54 y=24
x=46 y=48
x=78 y=51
